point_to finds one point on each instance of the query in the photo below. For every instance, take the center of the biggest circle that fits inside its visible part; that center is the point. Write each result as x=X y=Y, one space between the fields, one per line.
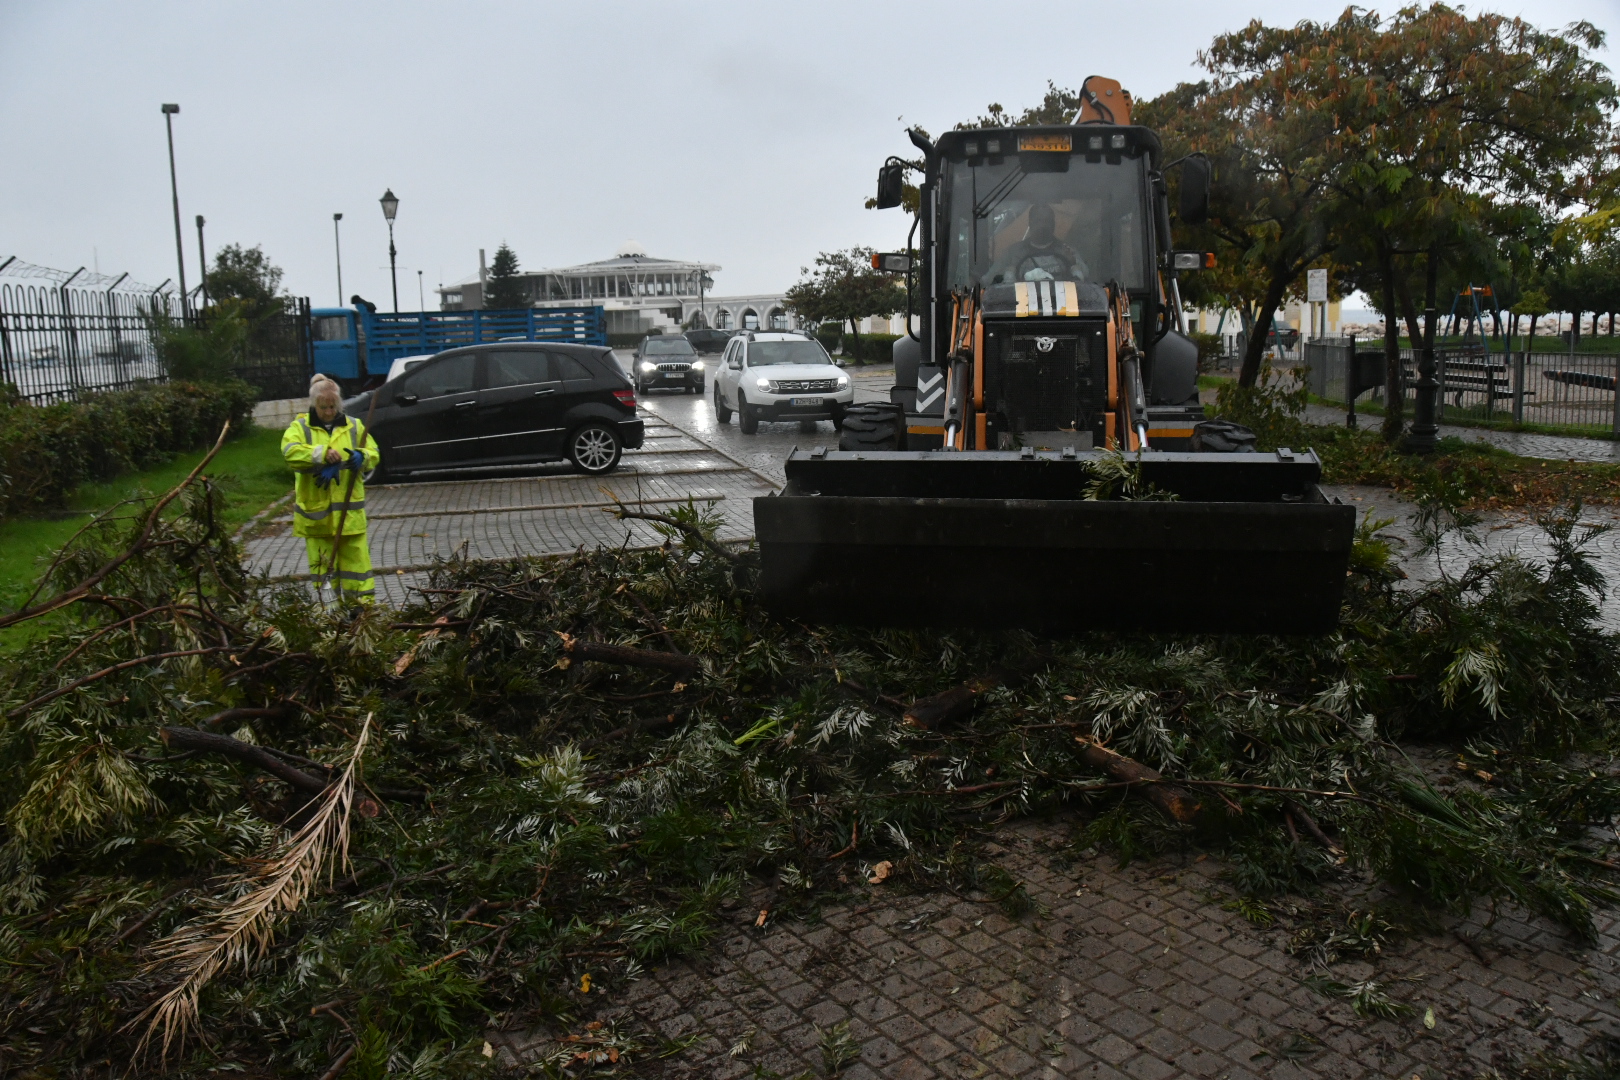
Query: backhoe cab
x=1051 y=388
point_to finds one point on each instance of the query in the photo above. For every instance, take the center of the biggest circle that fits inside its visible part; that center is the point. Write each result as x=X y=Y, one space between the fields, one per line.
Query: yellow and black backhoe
x=1043 y=460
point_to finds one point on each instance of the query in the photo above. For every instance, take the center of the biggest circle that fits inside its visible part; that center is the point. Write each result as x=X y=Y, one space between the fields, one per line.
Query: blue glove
x=357 y=461
x=327 y=473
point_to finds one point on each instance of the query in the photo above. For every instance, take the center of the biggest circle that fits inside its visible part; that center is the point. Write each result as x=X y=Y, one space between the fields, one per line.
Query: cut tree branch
x=940 y=709
x=1178 y=804
x=679 y=663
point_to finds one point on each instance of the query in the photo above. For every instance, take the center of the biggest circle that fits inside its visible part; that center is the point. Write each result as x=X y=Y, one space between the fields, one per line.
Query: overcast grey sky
x=745 y=134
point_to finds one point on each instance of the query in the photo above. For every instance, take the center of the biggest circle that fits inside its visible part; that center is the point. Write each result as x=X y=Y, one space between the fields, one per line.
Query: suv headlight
x=763 y=384
x=697 y=365
x=843 y=382
x=648 y=365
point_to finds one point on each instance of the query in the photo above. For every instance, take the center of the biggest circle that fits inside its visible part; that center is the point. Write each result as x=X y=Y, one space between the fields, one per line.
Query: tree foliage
x=544 y=819
x=845 y=288
x=247 y=277
x=504 y=289
x=1393 y=143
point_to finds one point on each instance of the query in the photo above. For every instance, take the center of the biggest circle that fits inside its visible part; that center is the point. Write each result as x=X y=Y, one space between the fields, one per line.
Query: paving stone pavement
x=1119 y=973
x=535 y=511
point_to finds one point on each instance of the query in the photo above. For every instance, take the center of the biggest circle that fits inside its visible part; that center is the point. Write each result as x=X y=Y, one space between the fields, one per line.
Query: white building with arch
x=638 y=292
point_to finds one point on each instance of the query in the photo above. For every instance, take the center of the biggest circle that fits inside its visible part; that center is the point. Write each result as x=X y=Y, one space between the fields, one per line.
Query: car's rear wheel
x=722 y=411
x=747 y=422
x=807 y=427
x=594 y=448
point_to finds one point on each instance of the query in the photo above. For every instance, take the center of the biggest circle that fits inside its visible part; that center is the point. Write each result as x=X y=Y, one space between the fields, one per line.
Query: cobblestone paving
x=548 y=510
x=1119 y=973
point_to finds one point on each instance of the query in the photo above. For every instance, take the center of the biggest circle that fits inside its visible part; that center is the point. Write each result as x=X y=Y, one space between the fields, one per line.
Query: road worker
x=325 y=449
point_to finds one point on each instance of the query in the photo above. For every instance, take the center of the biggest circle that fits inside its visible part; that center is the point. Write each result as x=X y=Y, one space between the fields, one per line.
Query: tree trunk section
x=1177 y=803
x=1250 y=373
x=621 y=654
x=953 y=704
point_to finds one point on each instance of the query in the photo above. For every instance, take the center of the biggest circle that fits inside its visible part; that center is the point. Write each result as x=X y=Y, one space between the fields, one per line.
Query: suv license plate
x=803 y=402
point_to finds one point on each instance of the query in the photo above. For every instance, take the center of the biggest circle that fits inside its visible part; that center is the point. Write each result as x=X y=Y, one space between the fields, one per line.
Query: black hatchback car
x=667 y=361
x=511 y=403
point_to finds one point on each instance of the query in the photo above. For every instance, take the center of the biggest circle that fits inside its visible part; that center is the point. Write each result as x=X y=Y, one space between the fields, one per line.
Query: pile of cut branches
x=242 y=832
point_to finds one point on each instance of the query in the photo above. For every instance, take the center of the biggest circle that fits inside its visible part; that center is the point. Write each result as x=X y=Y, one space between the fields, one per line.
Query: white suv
x=779 y=376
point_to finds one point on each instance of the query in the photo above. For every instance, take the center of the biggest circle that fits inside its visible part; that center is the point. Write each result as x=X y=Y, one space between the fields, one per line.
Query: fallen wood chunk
x=679 y=663
x=953 y=704
x=1177 y=803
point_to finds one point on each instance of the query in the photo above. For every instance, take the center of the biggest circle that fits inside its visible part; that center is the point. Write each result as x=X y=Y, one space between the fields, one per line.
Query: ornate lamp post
x=390 y=207
x=202 y=261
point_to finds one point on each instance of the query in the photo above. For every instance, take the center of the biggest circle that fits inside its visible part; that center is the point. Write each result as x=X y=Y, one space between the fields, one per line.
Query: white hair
x=320 y=386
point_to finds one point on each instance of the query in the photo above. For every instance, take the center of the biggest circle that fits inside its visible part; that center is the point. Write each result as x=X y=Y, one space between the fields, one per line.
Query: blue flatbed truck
x=355 y=345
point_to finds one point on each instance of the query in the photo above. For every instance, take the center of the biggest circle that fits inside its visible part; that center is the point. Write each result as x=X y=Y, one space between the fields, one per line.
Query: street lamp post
x=202 y=260
x=390 y=207
x=421 y=303
x=337 y=245
x=174 y=189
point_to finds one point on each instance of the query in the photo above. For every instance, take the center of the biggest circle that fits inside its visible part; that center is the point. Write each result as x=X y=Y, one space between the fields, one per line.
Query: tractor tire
x=877 y=426
x=747 y=423
x=722 y=411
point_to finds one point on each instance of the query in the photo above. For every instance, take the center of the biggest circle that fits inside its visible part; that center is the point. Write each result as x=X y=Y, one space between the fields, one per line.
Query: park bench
x=1468 y=372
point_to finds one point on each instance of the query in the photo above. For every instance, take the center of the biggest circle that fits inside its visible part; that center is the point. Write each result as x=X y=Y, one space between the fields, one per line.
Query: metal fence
x=278 y=360
x=1573 y=392
x=64 y=334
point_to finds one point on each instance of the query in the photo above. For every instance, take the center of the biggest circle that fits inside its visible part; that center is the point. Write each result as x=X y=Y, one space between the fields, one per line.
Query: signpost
x=1316 y=292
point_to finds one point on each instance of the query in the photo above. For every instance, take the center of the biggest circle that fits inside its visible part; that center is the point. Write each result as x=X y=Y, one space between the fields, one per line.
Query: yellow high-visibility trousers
x=351 y=578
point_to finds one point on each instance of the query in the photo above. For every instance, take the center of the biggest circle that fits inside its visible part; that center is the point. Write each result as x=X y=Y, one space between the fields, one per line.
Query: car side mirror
x=891 y=181
x=405 y=399
x=1194 y=208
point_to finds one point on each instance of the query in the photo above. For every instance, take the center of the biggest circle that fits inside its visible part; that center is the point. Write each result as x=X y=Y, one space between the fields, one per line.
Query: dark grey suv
x=667 y=361
x=505 y=404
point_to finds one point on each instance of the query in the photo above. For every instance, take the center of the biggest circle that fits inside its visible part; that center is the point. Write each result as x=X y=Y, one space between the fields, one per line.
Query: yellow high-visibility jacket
x=318 y=509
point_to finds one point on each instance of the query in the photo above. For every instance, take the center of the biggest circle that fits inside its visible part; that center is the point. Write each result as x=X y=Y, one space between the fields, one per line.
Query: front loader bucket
x=1003 y=538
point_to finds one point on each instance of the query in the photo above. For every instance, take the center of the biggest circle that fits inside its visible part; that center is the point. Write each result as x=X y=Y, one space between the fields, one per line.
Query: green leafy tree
x=504 y=289
x=1441 y=123
x=1270 y=191
x=247 y=277
x=844 y=288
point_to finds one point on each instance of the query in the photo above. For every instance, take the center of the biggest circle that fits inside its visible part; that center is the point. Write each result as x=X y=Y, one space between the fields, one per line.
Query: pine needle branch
x=245 y=928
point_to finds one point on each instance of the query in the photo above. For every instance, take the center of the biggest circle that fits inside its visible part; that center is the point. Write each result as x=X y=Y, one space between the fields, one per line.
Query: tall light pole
x=390 y=206
x=202 y=260
x=420 y=302
x=174 y=189
x=337 y=245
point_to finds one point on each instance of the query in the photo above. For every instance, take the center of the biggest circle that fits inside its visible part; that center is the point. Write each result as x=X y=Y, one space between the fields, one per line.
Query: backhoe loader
x=1041 y=461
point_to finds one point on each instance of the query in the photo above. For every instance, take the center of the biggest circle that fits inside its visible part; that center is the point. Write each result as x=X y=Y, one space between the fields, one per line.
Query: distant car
x=406 y=363
x=709 y=341
x=779 y=375
x=668 y=362
x=504 y=404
